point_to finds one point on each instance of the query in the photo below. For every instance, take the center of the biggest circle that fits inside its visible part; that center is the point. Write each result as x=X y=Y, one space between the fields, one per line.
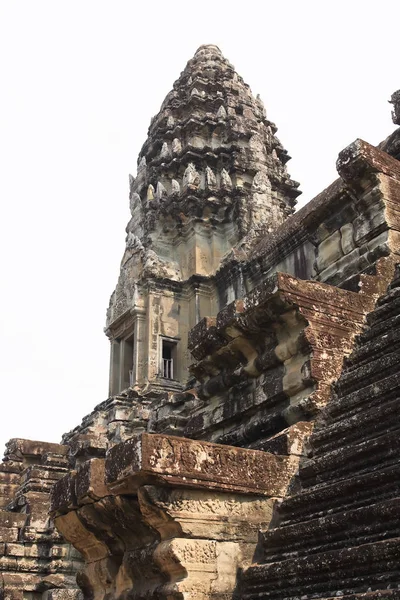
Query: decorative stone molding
x=169 y=516
x=271 y=358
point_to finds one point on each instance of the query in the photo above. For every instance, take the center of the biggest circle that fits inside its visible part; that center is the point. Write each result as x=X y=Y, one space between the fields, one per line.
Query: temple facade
x=211 y=177
x=248 y=445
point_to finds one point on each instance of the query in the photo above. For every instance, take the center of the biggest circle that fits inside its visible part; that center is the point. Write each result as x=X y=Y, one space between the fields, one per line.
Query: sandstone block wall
x=35 y=561
x=337 y=237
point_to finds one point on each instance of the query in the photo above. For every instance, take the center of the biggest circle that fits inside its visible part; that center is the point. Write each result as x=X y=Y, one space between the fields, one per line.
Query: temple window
x=168 y=359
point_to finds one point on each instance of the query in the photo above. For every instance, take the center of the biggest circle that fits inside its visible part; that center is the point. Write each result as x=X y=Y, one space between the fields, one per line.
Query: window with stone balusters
x=168 y=359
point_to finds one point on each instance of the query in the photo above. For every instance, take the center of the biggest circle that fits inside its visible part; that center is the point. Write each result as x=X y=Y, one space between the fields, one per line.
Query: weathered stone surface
x=188 y=532
x=211 y=232
x=276 y=351
x=339 y=534
x=34 y=559
x=184 y=462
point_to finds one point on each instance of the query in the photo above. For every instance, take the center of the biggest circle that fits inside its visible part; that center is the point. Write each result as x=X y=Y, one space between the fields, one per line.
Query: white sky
x=80 y=81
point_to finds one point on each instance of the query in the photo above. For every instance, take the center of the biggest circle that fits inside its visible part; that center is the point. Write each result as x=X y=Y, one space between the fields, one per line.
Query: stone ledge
x=278 y=294
x=360 y=160
x=192 y=463
x=168 y=460
x=18 y=448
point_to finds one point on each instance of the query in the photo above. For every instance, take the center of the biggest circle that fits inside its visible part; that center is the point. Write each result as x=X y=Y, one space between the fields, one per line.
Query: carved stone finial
x=165 y=153
x=395 y=100
x=261 y=183
x=211 y=180
x=170 y=121
x=133 y=242
x=131 y=182
x=226 y=181
x=259 y=101
x=221 y=114
x=175 y=188
x=208 y=49
x=261 y=105
x=176 y=146
x=150 y=192
x=161 y=193
x=191 y=177
x=134 y=200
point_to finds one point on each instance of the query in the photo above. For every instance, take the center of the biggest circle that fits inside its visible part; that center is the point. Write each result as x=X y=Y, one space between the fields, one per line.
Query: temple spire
x=211 y=177
x=211 y=120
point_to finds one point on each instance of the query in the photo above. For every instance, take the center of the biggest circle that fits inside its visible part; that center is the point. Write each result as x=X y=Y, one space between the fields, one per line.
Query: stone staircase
x=340 y=535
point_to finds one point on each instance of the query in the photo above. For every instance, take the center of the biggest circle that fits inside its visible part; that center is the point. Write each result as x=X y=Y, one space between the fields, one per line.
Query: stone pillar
x=139 y=344
x=126 y=363
x=114 y=368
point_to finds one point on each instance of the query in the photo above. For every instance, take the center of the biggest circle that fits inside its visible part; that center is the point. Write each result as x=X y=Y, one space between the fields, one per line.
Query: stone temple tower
x=211 y=178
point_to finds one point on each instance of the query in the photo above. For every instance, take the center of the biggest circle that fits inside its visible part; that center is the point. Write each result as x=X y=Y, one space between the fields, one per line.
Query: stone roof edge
x=304 y=220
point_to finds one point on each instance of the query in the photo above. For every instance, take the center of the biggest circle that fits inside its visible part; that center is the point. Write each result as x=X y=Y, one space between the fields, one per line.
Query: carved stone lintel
x=188 y=540
x=185 y=462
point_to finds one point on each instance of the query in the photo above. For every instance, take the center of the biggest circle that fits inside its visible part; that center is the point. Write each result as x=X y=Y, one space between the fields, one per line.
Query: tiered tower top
x=212 y=154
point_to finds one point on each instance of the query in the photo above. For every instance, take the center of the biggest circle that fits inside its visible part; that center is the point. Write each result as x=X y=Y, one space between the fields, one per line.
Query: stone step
x=331 y=497
x=391 y=294
x=372 y=394
x=331 y=532
x=384 y=312
x=374 y=422
x=377 y=341
x=373 y=368
x=351 y=570
x=345 y=461
x=369 y=337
